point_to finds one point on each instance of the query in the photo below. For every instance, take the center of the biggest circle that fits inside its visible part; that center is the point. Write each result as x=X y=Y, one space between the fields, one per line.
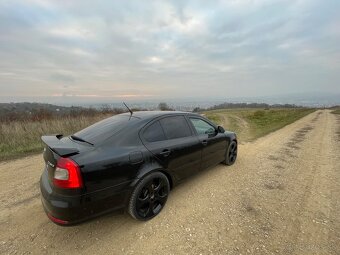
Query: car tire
x=149 y=196
x=231 y=154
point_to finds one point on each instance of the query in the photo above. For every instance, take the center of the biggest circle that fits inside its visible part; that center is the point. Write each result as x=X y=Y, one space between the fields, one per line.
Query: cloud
x=153 y=60
x=62 y=77
x=168 y=48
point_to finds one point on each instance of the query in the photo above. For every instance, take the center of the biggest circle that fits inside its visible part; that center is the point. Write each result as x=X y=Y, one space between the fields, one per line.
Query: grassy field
x=23 y=137
x=250 y=124
x=20 y=138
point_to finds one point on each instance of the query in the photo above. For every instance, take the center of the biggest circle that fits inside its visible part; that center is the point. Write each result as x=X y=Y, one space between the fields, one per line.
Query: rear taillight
x=67 y=174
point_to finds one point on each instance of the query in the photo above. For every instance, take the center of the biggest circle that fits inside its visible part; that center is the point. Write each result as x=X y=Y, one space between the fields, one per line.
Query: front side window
x=175 y=127
x=154 y=133
x=202 y=127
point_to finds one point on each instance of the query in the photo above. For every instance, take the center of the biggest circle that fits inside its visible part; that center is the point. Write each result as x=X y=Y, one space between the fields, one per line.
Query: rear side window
x=175 y=127
x=154 y=133
x=102 y=130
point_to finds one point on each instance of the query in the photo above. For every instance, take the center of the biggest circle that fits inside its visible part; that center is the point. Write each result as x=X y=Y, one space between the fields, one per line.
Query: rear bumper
x=69 y=210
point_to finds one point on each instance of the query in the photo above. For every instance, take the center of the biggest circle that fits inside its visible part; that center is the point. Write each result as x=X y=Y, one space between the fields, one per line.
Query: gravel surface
x=282 y=196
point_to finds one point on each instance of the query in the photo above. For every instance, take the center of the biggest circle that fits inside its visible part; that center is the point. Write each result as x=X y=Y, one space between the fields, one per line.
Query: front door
x=213 y=143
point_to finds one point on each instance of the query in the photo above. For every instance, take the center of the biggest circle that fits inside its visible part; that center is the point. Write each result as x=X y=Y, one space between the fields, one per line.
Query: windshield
x=102 y=130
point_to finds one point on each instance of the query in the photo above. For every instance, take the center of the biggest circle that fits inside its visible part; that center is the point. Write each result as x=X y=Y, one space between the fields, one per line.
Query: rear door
x=174 y=145
x=214 y=143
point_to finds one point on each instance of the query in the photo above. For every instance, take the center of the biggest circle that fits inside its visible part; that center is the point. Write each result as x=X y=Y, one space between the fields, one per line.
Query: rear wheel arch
x=142 y=173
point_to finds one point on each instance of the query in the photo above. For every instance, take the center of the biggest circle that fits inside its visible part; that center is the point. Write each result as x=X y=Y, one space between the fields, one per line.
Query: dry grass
x=22 y=137
x=250 y=124
x=337 y=111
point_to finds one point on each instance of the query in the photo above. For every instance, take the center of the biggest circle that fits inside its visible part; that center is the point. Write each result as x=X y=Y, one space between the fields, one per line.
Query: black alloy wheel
x=231 y=154
x=149 y=196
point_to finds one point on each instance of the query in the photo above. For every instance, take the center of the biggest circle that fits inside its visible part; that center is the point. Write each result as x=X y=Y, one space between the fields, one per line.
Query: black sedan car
x=128 y=161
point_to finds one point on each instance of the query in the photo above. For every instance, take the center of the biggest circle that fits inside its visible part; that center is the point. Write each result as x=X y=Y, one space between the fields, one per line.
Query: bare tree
x=164 y=107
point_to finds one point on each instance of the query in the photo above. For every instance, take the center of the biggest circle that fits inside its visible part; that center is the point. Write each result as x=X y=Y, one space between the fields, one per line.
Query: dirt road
x=281 y=197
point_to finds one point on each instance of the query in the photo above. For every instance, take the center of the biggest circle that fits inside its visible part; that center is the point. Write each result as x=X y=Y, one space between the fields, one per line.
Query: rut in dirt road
x=282 y=197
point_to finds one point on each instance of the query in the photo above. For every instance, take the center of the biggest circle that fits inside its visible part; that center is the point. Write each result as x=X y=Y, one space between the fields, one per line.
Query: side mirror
x=220 y=129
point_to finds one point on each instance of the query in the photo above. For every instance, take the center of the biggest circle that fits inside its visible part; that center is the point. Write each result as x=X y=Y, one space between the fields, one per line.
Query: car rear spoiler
x=61 y=147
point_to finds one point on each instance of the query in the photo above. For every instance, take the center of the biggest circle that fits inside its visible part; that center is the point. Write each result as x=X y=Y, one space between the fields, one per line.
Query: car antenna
x=131 y=112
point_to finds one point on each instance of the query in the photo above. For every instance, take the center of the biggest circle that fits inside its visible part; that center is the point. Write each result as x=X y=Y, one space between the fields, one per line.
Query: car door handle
x=204 y=142
x=165 y=153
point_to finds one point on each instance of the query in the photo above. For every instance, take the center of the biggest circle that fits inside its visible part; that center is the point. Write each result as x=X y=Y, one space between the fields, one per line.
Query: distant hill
x=36 y=111
x=32 y=107
x=42 y=111
x=246 y=105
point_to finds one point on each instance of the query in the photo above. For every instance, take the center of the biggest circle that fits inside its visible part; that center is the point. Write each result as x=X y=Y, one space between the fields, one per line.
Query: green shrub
x=259 y=114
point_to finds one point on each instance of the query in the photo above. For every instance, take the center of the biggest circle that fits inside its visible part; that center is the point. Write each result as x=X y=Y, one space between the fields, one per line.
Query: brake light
x=67 y=174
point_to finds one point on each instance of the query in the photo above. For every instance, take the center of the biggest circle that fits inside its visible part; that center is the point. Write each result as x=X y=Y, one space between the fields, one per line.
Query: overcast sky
x=168 y=49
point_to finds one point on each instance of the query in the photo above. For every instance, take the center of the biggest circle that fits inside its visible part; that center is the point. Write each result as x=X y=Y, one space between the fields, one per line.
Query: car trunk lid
x=57 y=146
x=61 y=146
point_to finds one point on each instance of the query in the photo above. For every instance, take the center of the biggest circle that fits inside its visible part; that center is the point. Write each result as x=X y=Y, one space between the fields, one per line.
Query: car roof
x=154 y=114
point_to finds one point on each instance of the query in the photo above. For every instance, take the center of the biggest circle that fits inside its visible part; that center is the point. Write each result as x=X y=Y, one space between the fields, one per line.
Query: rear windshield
x=102 y=130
